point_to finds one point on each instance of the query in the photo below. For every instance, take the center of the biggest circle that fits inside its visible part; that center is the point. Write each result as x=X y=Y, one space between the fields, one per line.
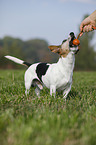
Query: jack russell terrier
x=56 y=76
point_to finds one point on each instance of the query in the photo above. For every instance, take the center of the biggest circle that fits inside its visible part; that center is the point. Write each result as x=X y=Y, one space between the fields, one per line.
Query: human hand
x=87 y=25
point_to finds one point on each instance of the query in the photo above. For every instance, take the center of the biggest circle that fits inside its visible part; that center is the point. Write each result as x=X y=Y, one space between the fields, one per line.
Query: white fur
x=58 y=76
x=14 y=59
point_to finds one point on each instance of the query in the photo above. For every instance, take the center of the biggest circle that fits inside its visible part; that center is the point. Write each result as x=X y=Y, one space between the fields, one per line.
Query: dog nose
x=76 y=42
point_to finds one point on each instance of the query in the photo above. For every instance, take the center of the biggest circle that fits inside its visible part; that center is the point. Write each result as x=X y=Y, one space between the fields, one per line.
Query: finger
x=90 y=28
x=81 y=27
x=87 y=29
x=84 y=29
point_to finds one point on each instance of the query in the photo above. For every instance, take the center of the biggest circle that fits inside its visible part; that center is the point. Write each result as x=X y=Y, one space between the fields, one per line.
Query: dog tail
x=16 y=60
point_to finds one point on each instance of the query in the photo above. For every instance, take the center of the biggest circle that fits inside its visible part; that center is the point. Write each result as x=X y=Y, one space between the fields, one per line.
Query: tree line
x=36 y=50
x=32 y=51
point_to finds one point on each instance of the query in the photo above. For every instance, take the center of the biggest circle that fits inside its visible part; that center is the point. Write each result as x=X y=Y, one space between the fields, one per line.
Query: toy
x=76 y=42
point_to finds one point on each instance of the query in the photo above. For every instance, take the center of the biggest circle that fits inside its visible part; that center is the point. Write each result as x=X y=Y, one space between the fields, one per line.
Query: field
x=47 y=120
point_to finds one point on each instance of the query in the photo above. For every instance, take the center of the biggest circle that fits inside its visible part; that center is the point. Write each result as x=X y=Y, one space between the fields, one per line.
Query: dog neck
x=67 y=63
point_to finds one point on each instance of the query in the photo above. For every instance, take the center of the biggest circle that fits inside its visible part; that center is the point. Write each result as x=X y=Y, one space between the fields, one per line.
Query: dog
x=56 y=76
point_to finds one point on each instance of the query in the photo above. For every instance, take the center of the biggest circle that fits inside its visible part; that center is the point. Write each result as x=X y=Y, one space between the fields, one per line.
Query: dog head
x=66 y=46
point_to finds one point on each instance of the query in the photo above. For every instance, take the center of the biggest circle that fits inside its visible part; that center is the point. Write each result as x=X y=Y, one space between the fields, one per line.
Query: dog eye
x=64 y=41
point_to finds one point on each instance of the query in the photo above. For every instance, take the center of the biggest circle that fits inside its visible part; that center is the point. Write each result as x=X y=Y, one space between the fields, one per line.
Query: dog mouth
x=73 y=42
x=72 y=36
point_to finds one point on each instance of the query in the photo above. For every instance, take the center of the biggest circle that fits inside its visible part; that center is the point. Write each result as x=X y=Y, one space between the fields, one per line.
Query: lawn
x=47 y=120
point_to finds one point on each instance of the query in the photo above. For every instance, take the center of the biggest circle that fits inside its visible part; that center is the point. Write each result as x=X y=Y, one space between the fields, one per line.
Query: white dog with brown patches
x=56 y=76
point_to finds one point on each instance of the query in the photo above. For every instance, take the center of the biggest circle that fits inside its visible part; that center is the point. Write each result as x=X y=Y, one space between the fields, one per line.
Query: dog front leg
x=53 y=90
x=66 y=91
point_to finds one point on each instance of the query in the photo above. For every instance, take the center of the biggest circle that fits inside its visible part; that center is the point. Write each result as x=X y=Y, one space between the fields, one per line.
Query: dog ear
x=54 y=48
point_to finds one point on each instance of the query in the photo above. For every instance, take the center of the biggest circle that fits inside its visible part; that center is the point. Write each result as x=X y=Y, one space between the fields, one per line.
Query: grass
x=45 y=120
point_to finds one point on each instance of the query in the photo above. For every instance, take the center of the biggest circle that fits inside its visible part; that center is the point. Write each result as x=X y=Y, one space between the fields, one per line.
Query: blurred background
x=27 y=27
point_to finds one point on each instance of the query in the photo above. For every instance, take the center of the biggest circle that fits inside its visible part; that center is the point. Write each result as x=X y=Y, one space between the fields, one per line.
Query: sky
x=51 y=20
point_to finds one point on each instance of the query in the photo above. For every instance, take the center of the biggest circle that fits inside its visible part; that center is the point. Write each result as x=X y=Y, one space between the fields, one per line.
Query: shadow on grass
x=74 y=94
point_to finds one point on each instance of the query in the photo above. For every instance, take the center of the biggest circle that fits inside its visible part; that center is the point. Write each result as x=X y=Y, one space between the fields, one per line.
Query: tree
x=85 y=59
x=10 y=46
x=32 y=51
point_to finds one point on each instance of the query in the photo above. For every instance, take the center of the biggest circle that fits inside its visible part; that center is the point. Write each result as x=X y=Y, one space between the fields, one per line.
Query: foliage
x=32 y=51
x=86 y=57
x=47 y=120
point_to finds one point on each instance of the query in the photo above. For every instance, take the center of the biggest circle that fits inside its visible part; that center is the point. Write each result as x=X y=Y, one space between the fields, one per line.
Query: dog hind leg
x=53 y=90
x=39 y=86
x=28 y=81
x=27 y=86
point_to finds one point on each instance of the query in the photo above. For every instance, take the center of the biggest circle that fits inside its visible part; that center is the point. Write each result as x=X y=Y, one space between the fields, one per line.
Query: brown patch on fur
x=54 y=48
x=58 y=49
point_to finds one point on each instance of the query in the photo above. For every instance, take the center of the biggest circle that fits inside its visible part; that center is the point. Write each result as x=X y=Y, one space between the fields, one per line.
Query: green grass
x=45 y=120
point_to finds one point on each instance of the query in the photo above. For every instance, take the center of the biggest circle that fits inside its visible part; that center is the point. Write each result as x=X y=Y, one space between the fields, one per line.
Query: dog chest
x=54 y=76
x=64 y=84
